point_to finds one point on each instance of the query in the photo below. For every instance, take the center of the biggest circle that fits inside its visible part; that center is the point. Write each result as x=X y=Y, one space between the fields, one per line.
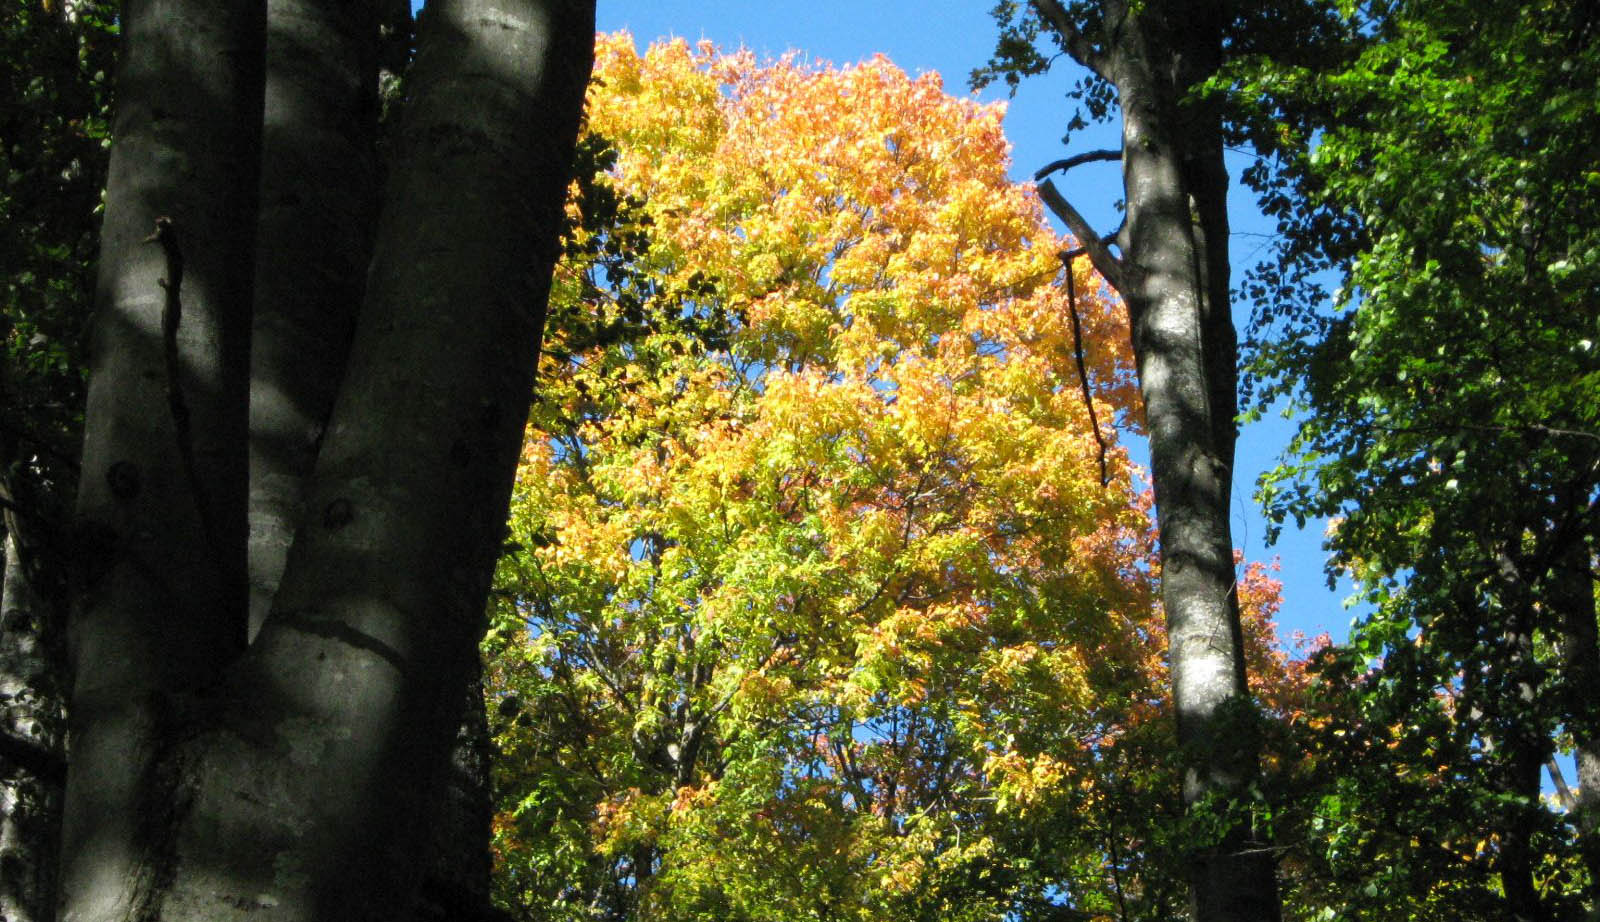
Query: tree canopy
x=820 y=608
x=1443 y=166
x=831 y=588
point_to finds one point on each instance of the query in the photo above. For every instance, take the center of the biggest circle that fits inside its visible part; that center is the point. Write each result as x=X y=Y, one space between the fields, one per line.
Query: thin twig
x=1468 y=427
x=1078 y=356
x=1067 y=163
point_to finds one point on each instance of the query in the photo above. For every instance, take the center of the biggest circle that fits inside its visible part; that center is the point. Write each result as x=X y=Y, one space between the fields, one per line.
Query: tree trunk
x=456 y=879
x=1517 y=858
x=296 y=780
x=1183 y=342
x=1580 y=674
x=319 y=189
x=1174 y=275
x=1177 y=289
x=348 y=703
x=158 y=602
x=32 y=767
x=1517 y=754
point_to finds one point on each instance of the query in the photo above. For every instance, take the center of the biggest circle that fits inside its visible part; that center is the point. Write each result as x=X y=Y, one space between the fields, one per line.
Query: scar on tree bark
x=166 y=234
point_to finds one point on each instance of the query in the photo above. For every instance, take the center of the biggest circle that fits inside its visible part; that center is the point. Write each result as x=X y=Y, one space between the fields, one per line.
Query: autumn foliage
x=816 y=605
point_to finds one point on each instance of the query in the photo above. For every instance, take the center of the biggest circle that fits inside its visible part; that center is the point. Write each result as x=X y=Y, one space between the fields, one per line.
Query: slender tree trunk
x=159 y=590
x=1178 y=294
x=1517 y=857
x=1517 y=753
x=32 y=767
x=1174 y=275
x=1588 y=766
x=1580 y=675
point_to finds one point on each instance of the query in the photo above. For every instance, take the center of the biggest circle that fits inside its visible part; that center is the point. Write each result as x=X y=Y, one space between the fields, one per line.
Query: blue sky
x=952 y=39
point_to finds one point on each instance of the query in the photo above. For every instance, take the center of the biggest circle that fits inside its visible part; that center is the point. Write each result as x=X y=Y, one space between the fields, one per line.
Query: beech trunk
x=294 y=777
x=319 y=195
x=158 y=602
x=1173 y=272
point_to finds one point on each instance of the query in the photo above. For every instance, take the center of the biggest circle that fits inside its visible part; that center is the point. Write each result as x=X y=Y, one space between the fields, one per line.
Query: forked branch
x=1073 y=38
x=1095 y=246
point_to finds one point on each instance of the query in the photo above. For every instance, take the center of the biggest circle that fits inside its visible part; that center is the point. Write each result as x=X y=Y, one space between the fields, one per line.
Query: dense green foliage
x=54 y=79
x=1445 y=169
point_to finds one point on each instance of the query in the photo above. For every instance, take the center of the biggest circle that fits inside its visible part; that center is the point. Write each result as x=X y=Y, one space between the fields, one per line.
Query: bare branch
x=1090 y=156
x=1564 y=793
x=1078 y=355
x=1110 y=267
x=1075 y=41
x=1468 y=427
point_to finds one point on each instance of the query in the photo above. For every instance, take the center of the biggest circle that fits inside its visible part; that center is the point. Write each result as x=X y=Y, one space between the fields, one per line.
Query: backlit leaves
x=818 y=608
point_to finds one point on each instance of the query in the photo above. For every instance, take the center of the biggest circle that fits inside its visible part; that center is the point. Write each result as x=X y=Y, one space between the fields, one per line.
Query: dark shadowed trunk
x=298 y=778
x=319 y=194
x=1574 y=592
x=319 y=188
x=159 y=596
x=1518 y=756
x=1173 y=272
x=456 y=881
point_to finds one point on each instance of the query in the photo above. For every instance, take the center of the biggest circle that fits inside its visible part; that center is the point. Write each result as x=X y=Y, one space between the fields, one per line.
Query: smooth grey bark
x=319 y=190
x=32 y=766
x=1173 y=272
x=309 y=795
x=295 y=779
x=158 y=596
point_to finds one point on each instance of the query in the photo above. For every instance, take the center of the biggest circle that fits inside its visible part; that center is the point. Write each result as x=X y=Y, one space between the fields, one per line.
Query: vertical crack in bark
x=166 y=234
x=164 y=800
